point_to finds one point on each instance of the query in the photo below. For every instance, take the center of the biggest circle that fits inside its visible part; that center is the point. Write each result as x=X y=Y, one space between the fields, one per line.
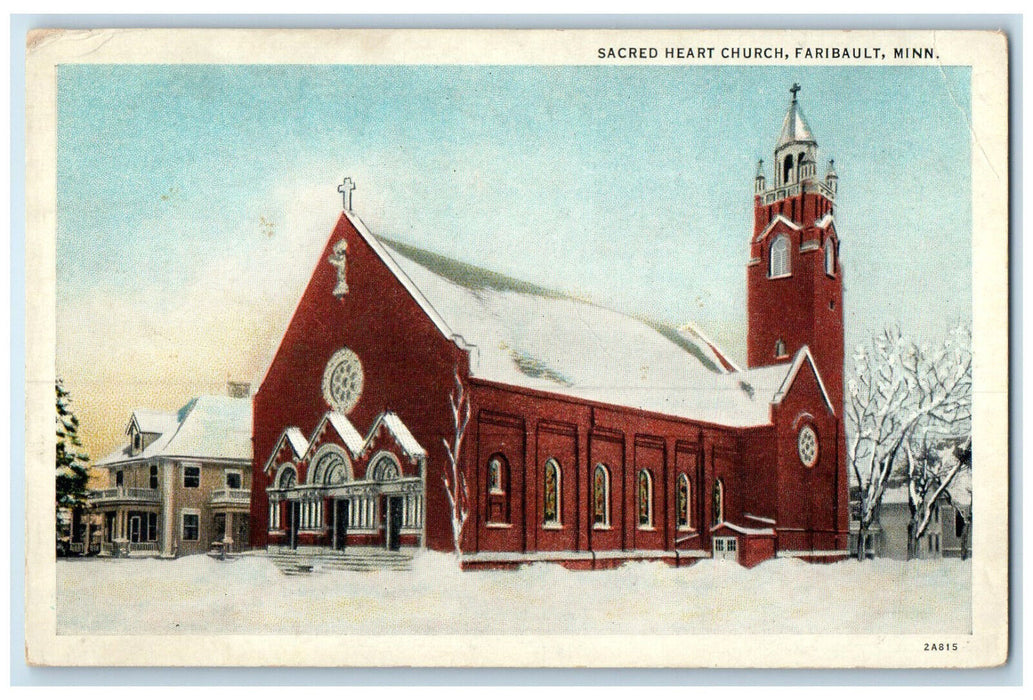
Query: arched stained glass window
x=495 y=483
x=288 y=478
x=830 y=257
x=552 y=494
x=719 y=501
x=601 y=496
x=684 y=501
x=778 y=263
x=645 y=498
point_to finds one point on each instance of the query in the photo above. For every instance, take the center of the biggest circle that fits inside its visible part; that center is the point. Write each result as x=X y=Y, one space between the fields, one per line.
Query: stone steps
x=295 y=563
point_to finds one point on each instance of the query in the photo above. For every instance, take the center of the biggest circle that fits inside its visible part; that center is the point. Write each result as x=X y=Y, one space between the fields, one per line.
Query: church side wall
x=526 y=429
x=408 y=368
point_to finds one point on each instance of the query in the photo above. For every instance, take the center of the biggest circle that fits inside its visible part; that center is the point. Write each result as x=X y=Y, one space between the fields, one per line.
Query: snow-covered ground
x=197 y=594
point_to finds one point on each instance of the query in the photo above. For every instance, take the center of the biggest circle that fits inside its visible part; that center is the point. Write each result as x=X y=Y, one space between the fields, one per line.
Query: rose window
x=807 y=446
x=342 y=380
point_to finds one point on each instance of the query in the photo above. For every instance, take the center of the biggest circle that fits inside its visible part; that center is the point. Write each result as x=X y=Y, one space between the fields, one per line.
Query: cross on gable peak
x=345 y=188
x=795 y=89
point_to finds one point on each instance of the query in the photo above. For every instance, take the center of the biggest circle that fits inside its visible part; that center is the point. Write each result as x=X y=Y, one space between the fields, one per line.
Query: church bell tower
x=794 y=279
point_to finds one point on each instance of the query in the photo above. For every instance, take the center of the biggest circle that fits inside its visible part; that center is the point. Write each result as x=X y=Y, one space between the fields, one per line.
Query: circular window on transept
x=807 y=446
x=342 y=380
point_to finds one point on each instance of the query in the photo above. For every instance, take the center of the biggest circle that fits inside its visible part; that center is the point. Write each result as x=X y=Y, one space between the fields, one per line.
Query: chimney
x=238 y=390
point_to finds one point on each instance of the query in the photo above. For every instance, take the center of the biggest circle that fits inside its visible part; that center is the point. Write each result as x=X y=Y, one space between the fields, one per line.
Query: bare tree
x=930 y=469
x=899 y=388
x=454 y=478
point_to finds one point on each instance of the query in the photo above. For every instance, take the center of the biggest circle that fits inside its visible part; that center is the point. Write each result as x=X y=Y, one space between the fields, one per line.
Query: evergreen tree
x=72 y=472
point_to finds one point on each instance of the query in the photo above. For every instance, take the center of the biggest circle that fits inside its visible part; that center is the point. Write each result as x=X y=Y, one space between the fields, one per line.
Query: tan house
x=182 y=482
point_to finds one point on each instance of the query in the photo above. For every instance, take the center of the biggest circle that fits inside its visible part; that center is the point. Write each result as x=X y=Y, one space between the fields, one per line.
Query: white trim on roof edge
x=718 y=351
x=279 y=445
x=381 y=250
x=770 y=226
x=787 y=383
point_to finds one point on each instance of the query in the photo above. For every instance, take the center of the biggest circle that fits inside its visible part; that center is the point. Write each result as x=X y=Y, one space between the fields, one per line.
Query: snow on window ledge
x=600 y=526
x=552 y=526
x=498 y=526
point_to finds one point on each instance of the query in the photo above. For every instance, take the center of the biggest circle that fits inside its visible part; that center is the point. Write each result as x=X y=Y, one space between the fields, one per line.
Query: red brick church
x=593 y=437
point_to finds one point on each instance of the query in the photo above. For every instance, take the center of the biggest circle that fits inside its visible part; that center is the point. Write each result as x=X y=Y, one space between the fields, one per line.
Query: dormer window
x=137 y=442
x=778 y=260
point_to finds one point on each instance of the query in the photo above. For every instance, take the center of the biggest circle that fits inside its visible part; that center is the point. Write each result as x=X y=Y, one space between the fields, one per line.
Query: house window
x=645 y=498
x=152 y=527
x=191 y=477
x=119 y=478
x=601 y=496
x=552 y=496
x=830 y=257
x=154 y=476
x=718 y=496
x=778 y=261
x=233 y=480
x=684 y=499
x=137 y=442
x=191 y=527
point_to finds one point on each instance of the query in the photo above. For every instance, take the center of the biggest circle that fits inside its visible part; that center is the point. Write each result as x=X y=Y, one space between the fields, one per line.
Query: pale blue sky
x=192 y=200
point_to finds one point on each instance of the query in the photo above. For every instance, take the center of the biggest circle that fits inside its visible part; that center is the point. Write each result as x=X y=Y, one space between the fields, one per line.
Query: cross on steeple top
x=795 y=89
x=345 y=188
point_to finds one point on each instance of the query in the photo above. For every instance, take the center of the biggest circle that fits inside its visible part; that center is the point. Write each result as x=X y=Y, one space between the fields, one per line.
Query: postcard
x=517 y=348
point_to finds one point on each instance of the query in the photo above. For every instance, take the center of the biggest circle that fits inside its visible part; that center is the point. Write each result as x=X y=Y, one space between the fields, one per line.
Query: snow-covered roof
x=297 y=440
x=759 y=519
x=825 y=220
x=405 y=439
x=150 y=421
x=349 y=435
x=523 y=335
x=745 y=530
x=207 y=427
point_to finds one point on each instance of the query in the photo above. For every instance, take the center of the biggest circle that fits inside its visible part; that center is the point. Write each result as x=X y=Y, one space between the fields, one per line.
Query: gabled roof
x=353 y=441
x=402 y=436
x=297 y=440
x=522 y=335
x=293 y=438
x=347 y=432
x=207 y=427
x=149 y=421
x=803 y=355
x=794 y=127
x=774 y=222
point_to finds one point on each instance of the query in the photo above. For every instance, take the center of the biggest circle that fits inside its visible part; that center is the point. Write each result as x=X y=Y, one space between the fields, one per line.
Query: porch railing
x=123 y=493
x=231 y=496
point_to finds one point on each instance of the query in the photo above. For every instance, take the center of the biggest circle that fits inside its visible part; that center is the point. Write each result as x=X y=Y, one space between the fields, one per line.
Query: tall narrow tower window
x=778 y=264
x=787 y=170
x=830 y=257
